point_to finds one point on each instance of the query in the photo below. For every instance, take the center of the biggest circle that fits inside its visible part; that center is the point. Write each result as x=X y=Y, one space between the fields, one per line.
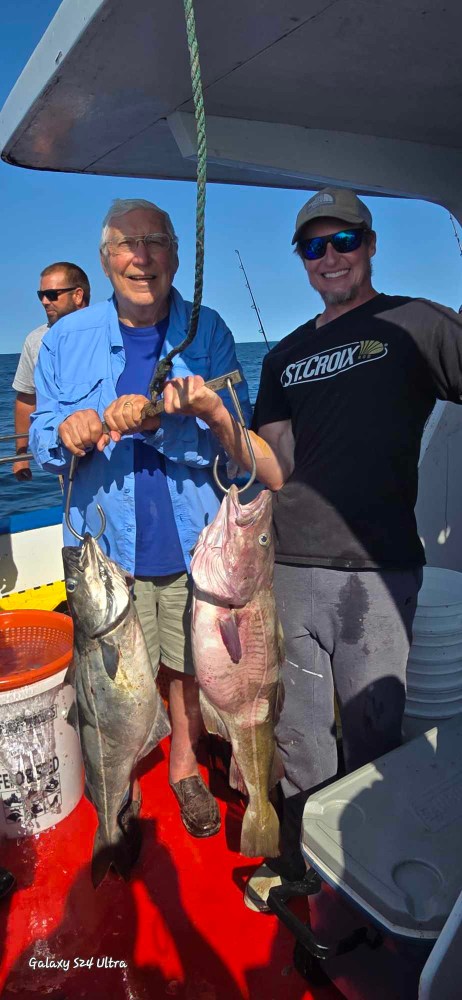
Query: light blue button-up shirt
x=79 y=364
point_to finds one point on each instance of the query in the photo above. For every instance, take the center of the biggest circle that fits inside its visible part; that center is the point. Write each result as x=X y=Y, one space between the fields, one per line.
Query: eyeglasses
x=53 y=293
x=154 y=243
x=344 y=242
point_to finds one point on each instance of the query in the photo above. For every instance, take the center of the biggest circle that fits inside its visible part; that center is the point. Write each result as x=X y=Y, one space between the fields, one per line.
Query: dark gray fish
x=120 y=714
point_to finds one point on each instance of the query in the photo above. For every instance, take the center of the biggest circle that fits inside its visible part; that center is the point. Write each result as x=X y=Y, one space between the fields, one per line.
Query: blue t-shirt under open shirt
x=158 y=549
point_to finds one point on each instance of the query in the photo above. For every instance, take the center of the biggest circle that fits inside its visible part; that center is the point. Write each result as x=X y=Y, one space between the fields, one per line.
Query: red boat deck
x=179 y=926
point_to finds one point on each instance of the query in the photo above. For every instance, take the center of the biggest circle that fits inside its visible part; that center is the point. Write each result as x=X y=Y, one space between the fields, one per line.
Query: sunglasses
x=53 y=293
x=344 y=242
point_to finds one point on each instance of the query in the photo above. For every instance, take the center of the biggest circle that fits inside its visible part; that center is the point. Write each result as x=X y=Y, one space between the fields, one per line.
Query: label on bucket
x=23 y=787
x=31 y=781
x=26 y=723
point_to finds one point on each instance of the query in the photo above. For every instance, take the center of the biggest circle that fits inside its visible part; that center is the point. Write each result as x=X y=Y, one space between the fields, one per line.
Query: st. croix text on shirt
x=333 y=362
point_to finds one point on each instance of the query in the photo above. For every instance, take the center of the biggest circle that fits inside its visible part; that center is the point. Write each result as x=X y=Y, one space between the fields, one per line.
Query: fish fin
x=279 y=701
x=235 y=777
x=69 y=677
x=121 y=854
x=111 y=654
x=161 y=727
x=131 y=806
x=87 y=793
x=280 y=644
x=277 y=769
x=260 y=833
x=129 y=824
x=230 y=635
x=72 y=717
x=212 y=721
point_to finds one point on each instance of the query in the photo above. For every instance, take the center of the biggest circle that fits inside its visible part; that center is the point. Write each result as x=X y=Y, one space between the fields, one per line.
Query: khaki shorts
x=163 y=604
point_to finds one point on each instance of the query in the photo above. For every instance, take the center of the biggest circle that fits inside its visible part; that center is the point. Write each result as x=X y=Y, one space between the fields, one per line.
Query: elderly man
x=153 y=478
x=64 y=288
x=340 y=412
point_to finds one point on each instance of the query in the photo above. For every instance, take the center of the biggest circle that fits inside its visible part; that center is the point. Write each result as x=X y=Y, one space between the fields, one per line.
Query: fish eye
x=71 y=585
x=263 y=539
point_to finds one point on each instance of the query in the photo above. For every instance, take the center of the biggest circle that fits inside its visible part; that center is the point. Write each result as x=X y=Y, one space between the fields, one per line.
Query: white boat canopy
x=366 y=93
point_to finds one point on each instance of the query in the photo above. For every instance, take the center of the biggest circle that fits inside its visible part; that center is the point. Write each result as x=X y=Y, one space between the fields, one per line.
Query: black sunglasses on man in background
x=52 y=294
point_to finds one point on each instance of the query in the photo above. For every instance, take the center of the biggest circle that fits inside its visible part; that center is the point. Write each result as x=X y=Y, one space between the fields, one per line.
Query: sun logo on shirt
x=367 y=348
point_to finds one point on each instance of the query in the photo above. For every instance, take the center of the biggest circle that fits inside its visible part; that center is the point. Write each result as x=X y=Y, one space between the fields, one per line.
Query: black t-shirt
x=358 y=392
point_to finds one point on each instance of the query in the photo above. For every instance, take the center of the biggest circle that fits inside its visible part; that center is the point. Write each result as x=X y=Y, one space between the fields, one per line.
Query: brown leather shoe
x=198 y=808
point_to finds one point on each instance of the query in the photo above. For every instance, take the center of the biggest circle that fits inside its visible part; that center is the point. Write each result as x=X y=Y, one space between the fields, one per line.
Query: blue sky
x=48 y=216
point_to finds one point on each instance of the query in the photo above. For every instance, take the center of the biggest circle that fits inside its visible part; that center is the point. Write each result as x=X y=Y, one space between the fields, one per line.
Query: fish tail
x=120 y=852
x=235 y=777
x=260 y=832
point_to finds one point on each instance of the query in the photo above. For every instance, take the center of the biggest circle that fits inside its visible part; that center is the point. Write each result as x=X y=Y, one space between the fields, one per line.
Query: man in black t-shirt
x=338 y=422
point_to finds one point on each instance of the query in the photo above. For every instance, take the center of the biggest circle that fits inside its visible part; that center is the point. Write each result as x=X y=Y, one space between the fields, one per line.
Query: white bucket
x=434 y=670
x=41 y=768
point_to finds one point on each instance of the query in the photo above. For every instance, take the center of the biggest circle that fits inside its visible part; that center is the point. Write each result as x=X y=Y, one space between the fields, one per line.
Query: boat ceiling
x=297 y=94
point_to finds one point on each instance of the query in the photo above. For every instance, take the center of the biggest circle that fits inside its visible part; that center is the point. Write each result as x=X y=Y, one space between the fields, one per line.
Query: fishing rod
x=254 y=304
x=456 y=234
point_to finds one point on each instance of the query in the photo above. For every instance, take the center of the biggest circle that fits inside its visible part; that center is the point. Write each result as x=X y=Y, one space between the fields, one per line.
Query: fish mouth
x=80 y=557
x=91 y=553
x=248 y=514
x=73 y=558
x=215 y=563
x=71 y=553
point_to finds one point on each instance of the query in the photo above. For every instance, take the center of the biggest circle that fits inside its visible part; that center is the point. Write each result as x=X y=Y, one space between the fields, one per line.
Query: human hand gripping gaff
x=81 y=430
x=191 y=397
x=124 y=416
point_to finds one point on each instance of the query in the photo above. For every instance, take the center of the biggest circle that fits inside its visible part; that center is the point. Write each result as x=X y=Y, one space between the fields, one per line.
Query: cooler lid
x=389 y=835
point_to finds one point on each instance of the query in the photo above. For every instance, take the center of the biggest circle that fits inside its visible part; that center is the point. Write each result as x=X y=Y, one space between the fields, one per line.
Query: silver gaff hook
x=241 y=421
x=67 y=516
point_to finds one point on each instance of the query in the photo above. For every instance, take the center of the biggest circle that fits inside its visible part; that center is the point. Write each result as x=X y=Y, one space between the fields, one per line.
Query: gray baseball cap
x=340 y=203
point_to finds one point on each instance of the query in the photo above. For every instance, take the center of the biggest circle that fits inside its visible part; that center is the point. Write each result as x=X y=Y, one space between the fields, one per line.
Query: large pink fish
x=238 y=651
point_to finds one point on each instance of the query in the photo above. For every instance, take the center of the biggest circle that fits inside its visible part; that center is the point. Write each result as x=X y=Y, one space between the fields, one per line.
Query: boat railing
x=26 y=457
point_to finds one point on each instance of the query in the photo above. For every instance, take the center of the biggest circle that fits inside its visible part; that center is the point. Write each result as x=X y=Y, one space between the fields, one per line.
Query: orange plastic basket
x=33 y=645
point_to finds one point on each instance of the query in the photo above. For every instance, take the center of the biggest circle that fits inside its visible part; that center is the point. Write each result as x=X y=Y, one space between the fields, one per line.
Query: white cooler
x=386 y=842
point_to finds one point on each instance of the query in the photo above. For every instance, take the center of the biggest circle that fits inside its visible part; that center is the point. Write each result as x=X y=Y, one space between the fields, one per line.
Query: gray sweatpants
x=352 y=630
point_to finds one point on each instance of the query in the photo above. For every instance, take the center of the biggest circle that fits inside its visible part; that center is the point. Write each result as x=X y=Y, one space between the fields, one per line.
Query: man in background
x=64 y=287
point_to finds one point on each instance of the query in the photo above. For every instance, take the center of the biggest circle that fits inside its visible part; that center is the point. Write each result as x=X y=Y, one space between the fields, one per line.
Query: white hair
x=120 y=206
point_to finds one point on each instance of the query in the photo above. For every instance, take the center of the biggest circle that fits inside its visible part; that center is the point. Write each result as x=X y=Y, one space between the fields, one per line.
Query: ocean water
x=43 y=489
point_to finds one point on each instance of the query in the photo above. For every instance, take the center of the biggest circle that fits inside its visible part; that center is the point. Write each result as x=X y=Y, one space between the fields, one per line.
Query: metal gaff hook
x=241 y=421
x=67 y=517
